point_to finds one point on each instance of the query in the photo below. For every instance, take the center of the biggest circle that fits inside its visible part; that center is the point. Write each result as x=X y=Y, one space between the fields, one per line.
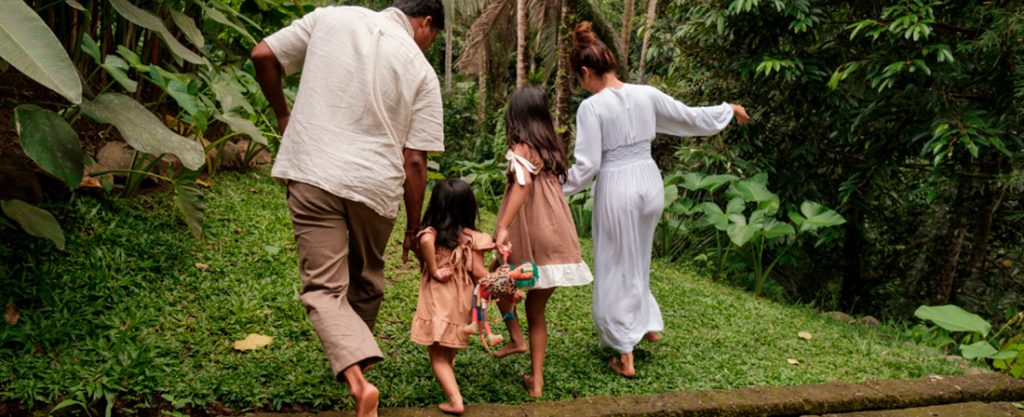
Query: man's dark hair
x=421 y=8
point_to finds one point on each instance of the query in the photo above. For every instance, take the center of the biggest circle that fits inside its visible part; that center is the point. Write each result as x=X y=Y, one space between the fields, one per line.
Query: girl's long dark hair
x=452 y=207
x=528 y=120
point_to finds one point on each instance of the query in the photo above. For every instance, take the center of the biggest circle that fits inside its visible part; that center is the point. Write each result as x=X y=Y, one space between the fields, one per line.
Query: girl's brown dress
x=442 y=310
x=543 y=231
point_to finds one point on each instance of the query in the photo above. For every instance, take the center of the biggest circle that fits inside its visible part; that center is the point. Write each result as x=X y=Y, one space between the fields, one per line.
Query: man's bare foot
x=452 y=408
x=652 y=336
x=533 y=388
x=623 y=367
x=366 y=397
x=510 y=349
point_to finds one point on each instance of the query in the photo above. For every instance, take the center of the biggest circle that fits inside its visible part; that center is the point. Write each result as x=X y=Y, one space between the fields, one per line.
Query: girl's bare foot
x=366 y=397
x=532 y=387
x=510 y=349
x=652 y=336
x=451 y=408
x=623 y=365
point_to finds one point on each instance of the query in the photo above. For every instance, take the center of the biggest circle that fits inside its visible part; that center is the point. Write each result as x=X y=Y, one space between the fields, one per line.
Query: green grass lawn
x=127 y=312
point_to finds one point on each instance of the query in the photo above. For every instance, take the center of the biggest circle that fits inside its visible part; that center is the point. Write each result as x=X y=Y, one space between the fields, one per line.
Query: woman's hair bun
x=583 y=34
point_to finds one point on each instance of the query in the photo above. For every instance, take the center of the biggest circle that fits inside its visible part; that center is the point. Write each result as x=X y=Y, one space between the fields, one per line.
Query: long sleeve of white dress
x=587 y=152
x=676 y=118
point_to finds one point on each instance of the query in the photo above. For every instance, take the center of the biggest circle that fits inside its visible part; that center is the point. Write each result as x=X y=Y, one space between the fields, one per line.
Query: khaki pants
x=341 y=262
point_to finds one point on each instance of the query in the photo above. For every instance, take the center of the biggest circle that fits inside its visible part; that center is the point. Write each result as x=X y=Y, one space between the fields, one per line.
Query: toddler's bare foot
x=366 y=398
x=452 y=408
x=623 y=365
x=652 y=336
x=532 y=387
x=511 y=348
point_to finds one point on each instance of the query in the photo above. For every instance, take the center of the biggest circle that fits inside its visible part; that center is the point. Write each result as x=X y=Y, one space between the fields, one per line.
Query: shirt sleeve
x=426 y=131
x=675 y=118
x=289 y=44
x=587 y=153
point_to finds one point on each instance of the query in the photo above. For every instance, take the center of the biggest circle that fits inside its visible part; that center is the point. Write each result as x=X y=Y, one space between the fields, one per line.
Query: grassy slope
x=126 y=311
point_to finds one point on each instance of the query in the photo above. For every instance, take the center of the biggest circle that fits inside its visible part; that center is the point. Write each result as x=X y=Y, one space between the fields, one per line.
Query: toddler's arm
x=427 y=241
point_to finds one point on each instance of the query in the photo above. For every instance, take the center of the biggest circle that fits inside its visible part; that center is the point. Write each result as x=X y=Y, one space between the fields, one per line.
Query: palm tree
x=652 y=8
x=627 y=29
x=521 y=29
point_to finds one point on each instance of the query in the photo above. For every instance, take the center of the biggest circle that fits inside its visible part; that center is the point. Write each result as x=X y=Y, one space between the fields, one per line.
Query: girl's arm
x=675 y=118
x=429 y=260
x=587 y=153
x=515 y=199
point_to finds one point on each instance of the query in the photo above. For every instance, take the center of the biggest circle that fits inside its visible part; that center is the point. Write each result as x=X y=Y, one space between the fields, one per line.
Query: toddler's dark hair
x=452 y=207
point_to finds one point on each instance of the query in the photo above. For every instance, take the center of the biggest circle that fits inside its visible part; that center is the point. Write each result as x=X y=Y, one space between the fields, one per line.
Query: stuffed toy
x=505 y=282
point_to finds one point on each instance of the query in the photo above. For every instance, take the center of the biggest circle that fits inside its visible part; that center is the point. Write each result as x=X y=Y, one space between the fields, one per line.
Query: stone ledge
x=822 y=399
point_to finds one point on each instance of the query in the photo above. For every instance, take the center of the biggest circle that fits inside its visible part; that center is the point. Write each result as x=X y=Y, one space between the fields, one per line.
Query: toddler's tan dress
x=442 y=310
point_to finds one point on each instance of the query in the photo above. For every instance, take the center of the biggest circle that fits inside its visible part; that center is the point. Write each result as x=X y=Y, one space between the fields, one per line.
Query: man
x=367 y=111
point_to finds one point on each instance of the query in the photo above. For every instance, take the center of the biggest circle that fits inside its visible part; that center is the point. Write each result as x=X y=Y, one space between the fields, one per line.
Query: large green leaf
x=189 y=28
x=28 y=44
x=754 y=190
x=118 y=68
x=671 y=194
x=188 y=199
x=776 y=229
x=91 y=48
x=180 y=93
x=34 y=220
x=50 y=141
x=150 y=21
x=142 y=129
x=244 y=126
x=694 y=181
x=815 y=216
x=739 y=231
x=219 y=17
x=714 y=216
x=982 y=349
x=229 y=93
x=954 y=319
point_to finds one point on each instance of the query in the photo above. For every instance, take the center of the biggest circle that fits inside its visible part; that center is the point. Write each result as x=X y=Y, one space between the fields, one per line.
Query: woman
x=614 y=130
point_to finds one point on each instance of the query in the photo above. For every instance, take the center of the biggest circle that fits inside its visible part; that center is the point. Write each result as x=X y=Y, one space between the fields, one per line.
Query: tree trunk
x=481 y=111
x=448 y=56
x=521 y=29
x=564 y=78
x=627 y=30
x=983 y=229
x=942 y=287
x=853 y=249
x=652 y=8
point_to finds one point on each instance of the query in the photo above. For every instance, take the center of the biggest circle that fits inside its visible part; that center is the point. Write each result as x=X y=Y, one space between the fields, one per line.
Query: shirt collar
x=395 y=15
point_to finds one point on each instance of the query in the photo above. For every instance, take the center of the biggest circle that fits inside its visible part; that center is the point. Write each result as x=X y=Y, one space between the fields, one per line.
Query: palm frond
x=470 y=60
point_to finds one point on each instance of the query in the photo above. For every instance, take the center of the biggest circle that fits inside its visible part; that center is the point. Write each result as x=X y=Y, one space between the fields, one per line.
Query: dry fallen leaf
x=252 y=341
x=202 y=267
x=91 y=182
x=203 y=184
x=11 y=315
x=804 y=335
x=238 y=230
x=793 y=361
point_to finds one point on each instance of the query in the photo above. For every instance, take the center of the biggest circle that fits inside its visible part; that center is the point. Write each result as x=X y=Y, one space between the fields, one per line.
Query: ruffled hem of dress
x=564 y=275
x=451 y=335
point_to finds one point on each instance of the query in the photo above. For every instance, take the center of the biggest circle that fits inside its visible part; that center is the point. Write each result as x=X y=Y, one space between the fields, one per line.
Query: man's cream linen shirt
x=366 y=93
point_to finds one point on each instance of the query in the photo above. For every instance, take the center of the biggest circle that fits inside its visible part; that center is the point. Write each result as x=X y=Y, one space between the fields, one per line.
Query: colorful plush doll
x=504 y=282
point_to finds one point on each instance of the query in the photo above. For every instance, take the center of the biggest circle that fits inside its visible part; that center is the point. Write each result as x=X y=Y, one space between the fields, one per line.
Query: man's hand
x=411 y=243
x=740 y=113
x=282 y=123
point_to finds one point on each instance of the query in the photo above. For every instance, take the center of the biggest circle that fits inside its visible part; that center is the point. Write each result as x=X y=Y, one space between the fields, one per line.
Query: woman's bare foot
x=623 y=365
x=652 y=336
x=510 y=349
x=451 y=408
x=366 y=397
x=536 y=390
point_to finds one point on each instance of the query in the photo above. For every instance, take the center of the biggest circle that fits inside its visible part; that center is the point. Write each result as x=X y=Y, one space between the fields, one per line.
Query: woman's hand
x=740 y=113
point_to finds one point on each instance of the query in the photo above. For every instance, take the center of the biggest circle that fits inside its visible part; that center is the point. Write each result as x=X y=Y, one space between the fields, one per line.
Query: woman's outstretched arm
x=675 y=118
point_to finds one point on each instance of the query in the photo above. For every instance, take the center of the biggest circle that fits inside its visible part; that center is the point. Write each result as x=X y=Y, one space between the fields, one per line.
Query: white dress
x=614 y=130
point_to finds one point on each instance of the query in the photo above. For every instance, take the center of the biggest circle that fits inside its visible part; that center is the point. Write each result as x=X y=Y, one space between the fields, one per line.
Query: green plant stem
x=131 y=171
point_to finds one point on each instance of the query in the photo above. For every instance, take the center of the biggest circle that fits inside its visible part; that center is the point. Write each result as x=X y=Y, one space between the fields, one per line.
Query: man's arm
x=268 y=74
x=415 y=188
